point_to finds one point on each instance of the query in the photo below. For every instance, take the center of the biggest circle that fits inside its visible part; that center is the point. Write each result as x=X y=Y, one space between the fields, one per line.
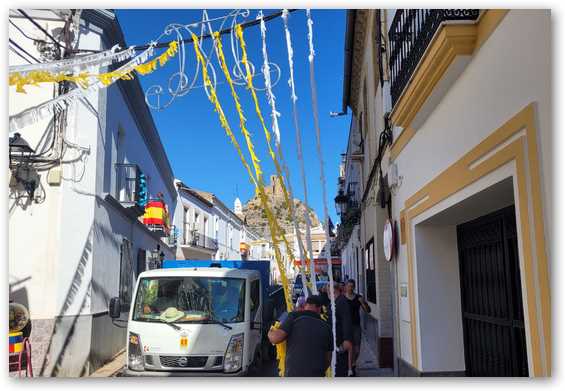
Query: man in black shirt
x=309 y=341
x=343 y=332
x=356 y=302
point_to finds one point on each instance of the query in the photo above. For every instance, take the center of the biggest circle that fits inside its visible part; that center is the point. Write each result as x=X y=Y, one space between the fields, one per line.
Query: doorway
x=491 y=296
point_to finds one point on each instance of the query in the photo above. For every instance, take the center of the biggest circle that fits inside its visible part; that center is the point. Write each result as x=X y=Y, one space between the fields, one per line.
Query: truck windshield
x=190 y=300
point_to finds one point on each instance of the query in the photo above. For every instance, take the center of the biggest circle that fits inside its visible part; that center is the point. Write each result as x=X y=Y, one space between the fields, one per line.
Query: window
x=255 y=294
x=126 y=178
x=370 y=272
x=205 y=225
x=201 y=300
x=186 y=225
x=126 y=275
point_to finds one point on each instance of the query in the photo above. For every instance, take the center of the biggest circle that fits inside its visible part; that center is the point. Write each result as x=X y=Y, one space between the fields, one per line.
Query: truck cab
x=203 y=321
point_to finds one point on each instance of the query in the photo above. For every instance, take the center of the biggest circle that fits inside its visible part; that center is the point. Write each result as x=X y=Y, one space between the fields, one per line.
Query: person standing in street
x=309 y=341
x=356 y=302
x=344 y=333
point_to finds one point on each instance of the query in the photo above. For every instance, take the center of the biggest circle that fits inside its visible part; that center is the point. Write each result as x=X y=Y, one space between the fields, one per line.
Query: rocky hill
x=257 y=219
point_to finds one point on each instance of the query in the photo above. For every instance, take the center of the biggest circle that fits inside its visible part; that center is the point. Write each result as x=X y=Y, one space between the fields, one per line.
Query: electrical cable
x=20 y=55
x=22 y=49
x=70 y=50
x=221 y=32
x=22 y=32
x=41 y=28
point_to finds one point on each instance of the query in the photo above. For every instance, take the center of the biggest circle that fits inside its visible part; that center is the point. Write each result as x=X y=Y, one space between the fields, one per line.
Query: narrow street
x=366 y=366
x=196 y=186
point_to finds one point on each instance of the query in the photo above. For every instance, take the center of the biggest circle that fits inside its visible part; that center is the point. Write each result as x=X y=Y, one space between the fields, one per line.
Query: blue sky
x=198 y=149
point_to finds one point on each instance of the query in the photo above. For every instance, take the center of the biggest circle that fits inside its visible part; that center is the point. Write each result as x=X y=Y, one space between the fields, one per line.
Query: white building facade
x=466 y=180
x=80 y=240
x=208 y=229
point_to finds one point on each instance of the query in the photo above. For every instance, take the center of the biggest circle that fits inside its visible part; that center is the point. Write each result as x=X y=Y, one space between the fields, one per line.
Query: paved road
x=268 y=369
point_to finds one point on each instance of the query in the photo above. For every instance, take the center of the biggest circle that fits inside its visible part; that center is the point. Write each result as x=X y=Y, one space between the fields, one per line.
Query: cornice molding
x=358 y=55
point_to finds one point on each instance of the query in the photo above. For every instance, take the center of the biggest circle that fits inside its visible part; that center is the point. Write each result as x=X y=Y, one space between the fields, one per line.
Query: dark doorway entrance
x=491 y=296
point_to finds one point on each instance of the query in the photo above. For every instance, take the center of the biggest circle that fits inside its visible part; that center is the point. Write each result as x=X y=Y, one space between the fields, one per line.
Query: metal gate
x=491 y=296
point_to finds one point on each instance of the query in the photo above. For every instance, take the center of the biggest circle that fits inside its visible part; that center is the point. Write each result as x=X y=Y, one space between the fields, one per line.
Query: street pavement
x=366 y=366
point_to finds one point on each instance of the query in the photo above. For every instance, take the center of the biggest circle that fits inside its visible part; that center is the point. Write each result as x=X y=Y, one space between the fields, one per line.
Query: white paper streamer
x=294 y=98
x=274 y=117
x=314 y=95
x=46 y=109
x=77 y=64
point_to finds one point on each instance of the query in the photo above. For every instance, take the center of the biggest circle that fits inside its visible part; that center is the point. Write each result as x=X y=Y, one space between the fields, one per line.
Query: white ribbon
x=274 y=117
x=294 y=98
x=46 y=109
x=314 y=95
x=77 y=64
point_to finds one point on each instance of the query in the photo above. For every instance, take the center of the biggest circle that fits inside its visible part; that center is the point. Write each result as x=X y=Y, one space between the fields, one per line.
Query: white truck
x=188 y=319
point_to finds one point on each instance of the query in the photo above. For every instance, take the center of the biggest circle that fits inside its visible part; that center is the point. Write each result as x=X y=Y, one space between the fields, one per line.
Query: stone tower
x=237 y=207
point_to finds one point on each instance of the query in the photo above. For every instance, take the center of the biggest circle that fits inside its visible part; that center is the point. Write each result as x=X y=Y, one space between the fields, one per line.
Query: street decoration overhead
x=82 y=72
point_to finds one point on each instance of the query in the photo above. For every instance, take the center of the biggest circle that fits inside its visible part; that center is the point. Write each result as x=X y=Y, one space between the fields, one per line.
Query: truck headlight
x=135 y=356
x=233 y=358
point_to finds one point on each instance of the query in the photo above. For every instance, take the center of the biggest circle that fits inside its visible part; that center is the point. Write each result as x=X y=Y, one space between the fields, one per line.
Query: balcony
x=424 y=45
x=199 y=240
x=349 y=219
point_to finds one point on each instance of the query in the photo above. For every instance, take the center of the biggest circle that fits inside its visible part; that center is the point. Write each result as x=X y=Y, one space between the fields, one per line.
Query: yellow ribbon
x=281 y=351
x=268 y=137
x=82 y=79
x=274 y=227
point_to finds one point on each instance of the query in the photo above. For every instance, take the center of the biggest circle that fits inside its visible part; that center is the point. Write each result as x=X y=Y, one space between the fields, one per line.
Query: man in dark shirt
x=356 y=302
x=343 y=332
x=309 y=341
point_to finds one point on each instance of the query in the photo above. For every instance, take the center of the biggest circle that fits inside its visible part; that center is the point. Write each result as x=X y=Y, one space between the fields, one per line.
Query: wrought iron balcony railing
x=196 y=239
x=410 y=34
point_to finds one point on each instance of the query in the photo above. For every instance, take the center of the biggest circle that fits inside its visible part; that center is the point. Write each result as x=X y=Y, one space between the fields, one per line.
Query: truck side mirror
x=114 y=309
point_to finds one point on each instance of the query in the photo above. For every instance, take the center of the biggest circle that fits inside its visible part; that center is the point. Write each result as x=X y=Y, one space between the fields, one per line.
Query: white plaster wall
x=440 y=298
x=373 y=217
x=511 y=70
x=68 y=246
x=33 y=232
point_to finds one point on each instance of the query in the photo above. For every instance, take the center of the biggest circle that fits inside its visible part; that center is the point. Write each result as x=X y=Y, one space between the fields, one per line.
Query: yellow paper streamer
x=268 y=137
x=273 y=223
x=83 y=79
x=259 y=187
x=281 y=351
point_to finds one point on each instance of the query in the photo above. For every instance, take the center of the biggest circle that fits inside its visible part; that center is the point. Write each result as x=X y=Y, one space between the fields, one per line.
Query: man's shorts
x=357 y=335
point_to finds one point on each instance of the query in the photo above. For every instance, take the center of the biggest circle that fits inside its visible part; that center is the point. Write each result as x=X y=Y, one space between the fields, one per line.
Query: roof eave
x=348 y=57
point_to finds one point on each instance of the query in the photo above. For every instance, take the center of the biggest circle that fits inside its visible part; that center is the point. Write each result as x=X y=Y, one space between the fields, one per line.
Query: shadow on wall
x=68 y=326
x=19 y=295
x=77 y=283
